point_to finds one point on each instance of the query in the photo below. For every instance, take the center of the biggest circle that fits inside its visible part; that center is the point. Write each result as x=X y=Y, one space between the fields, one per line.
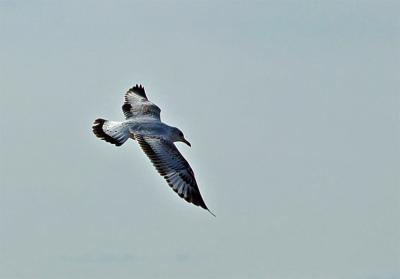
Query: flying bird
x=143 y=124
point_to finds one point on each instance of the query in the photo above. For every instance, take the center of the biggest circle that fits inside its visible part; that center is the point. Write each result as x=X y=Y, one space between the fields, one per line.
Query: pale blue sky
x=292 y=109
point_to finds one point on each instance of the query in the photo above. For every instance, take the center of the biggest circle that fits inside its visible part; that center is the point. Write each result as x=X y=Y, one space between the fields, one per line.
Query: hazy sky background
x=292 y=109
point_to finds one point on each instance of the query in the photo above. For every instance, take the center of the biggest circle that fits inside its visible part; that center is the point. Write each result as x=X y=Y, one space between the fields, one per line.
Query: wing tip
x=211 y=213
x=139 y=90
x=197 y=200
x=204 y=206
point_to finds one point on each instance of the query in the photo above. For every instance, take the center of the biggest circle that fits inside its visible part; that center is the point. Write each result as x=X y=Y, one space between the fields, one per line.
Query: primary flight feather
x=143 y=123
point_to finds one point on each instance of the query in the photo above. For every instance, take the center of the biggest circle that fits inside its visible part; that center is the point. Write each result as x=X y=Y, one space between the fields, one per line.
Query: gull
x=143 y=124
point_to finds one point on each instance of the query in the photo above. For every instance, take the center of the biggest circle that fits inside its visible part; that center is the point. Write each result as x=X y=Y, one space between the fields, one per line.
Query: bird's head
x=177 y=135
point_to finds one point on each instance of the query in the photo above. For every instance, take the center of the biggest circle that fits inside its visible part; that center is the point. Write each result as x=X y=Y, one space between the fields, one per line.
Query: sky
x=292 y=109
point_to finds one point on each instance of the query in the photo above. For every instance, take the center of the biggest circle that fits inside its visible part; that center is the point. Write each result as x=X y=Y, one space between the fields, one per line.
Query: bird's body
x=148 y=127
x=143 y=123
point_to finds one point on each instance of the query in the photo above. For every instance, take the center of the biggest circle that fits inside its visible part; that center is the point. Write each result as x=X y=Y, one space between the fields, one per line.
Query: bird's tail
x=111 y=131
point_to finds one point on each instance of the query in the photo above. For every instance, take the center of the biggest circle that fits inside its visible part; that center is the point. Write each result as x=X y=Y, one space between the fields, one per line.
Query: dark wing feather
x=170 y=163
x=137 y=105
x=139 y=90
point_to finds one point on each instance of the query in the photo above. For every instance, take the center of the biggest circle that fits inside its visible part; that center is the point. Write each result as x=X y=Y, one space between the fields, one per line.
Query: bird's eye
x=180 y=134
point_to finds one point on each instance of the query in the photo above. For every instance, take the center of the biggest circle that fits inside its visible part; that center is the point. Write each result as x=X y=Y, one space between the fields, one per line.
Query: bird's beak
x=185 y=141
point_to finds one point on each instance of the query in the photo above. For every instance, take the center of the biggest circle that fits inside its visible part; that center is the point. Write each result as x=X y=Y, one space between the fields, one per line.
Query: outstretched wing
x=170 y=163
x=137 y=105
